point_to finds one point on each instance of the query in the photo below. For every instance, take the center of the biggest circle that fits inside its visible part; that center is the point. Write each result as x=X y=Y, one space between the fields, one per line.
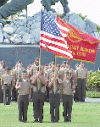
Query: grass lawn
x=83 y=115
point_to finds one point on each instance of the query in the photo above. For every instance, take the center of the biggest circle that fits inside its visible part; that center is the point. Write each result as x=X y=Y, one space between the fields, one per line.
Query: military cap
x=24 y=71
x=7 y=68
x=37 y=58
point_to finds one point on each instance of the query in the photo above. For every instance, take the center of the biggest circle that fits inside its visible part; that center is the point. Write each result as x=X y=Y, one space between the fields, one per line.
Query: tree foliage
x=94 y=80
x=81 y=16
x=98 y=28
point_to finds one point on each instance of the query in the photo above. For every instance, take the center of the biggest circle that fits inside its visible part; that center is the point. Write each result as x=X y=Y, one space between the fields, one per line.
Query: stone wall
x=28 y=53
x=27 y=31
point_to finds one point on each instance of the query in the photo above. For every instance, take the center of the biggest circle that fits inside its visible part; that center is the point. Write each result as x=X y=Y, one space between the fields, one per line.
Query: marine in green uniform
x=34 y=66
x=60 y=75
x=39 y=82
x=24 y=93
x=81 y=73
x=54 y=97
x=16 y=72
x=66 y=68
x=2 y=71
x=68 y=89
x=7 y=82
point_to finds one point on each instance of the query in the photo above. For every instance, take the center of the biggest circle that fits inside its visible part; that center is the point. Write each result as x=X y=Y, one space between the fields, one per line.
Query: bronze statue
x=2 y=2
x=11 y=8
x=47 y=5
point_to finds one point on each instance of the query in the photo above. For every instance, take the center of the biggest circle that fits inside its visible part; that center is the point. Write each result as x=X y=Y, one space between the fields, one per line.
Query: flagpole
x=40 y=48
x=39 y=59
x=40 y=56
x=55 y=74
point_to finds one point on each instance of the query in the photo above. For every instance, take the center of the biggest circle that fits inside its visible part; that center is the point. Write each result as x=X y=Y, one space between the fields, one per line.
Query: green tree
x=81 y=16
x=98 y=28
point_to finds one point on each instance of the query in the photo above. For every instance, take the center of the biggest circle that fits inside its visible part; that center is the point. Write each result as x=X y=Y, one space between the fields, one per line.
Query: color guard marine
x=39 y=83
x=24 y=94
x=68 y=90
x=54 y=97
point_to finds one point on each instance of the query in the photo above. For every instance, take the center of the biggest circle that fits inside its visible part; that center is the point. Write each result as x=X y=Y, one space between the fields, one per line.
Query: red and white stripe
x=62 y=27
x=55 y=45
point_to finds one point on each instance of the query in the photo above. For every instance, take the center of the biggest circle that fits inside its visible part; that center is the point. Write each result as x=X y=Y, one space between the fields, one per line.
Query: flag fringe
x=83 y=61
x=76 y=59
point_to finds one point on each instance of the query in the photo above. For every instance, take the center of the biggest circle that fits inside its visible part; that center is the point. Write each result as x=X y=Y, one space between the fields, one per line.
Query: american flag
x=52 y=37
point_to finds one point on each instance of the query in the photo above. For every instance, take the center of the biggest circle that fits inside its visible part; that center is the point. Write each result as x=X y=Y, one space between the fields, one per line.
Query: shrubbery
x=93 y=81
x=93 y=94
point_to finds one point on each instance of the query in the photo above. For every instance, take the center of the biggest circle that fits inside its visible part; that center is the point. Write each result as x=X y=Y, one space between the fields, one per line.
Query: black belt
x=39 y=91
x=23 y=95
x=7 y=84
x=81 y=78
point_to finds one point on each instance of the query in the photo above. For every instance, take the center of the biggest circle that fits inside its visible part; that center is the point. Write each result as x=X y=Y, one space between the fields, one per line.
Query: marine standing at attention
x=24 y=94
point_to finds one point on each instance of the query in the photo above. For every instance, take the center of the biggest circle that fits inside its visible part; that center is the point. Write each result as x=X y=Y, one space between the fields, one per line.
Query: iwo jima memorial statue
x=10 y=8
x=14 y=6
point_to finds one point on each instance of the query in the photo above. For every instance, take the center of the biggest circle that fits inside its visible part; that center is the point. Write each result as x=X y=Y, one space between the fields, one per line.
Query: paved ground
x=87 y=100
x=92 y=100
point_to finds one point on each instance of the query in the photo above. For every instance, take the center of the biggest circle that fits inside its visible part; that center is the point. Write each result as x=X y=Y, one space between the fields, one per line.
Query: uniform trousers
x=38 y=102
x=6 y=94
x=47 y=93
x=1 y=93
x=23 y=101
x=14 y=94
x=76 y=94
x=81 y=89
x=54 y=106
x=67 y=104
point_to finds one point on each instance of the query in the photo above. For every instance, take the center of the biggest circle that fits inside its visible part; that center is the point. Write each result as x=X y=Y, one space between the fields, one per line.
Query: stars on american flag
x=51 y=38
x=49 y=25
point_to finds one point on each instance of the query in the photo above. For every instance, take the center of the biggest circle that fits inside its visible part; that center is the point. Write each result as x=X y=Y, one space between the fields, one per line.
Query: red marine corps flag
x=52 y=39
x=83 y=46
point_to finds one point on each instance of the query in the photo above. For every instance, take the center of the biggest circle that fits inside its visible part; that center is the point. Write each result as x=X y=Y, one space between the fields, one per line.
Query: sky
x=90 y=8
